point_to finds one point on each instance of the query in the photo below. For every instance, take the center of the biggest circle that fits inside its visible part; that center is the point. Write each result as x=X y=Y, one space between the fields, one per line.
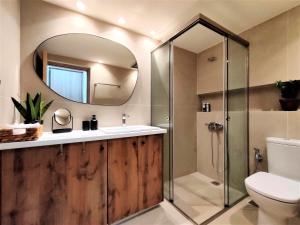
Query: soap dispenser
x=94 y=123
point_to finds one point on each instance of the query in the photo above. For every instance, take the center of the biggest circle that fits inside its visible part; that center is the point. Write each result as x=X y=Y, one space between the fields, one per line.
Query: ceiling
x=160 y=19
x=89 y=48
x=197 y=39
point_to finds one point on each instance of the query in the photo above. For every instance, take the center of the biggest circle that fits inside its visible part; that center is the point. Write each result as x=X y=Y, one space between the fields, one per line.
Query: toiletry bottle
x=208 y=107
x=94 y=123
x=86 y=125
x=203 y=107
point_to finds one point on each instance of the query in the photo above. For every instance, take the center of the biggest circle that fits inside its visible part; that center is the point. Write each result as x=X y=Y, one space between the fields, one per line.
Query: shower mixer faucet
x=214 y=126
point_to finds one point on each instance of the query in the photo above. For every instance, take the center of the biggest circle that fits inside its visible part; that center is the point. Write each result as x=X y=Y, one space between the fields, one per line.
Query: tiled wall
x=210 y=73
x=210 y=145
x=265 y=124
x=9 y=58
x=274 y=55
x=211 y=165
x=275 y=49
x=41 y=20
x=185 y=110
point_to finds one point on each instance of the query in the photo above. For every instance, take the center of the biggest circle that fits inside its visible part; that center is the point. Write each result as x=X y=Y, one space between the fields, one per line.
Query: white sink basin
x=127 y=129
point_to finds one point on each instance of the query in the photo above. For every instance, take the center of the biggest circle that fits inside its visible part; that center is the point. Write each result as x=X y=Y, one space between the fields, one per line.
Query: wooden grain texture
x=46 y=186
x=32 y=186
x=86 y=184
x=150 y=171
x=122 y=178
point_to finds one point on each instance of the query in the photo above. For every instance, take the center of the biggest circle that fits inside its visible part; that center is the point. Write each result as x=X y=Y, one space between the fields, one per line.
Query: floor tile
x=164 y=214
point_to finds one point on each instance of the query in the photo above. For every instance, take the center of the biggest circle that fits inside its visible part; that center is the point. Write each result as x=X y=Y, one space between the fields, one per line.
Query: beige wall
x=210 y=146
x=40 y=20
x=9 y=58
x=274 y=55
x=108 y=74
x=111 y=95
x=275 y=49
x=210 y=74
x=185 y=112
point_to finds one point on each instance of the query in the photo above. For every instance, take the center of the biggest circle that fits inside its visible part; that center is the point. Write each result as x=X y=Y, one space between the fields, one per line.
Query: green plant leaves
x=37 y=102
x=28 y=118
x=19 y=107
x=34 y=109
x=45 y=108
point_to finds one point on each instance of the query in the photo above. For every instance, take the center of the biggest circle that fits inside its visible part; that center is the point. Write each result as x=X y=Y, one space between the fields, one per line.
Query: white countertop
x=105 y=133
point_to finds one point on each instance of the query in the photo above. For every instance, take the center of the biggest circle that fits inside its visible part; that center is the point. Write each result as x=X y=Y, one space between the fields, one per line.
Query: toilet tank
x=284 y=157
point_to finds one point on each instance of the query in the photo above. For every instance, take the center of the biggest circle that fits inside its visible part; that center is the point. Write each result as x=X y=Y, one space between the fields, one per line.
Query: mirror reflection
x=87 y=69
x=62 y=116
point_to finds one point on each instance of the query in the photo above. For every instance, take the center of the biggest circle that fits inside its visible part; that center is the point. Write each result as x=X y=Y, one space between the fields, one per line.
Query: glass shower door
x=160 y=105
x=236 y=115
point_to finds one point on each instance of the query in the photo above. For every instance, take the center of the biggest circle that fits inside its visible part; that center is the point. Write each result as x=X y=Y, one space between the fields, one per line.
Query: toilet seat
x=274 y=187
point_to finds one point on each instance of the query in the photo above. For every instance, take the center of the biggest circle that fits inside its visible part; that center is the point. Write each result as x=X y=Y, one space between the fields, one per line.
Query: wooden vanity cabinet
x=32 y=186
x=150 y=163
x=134 y=175
x=92 y=183
x=54 y=186
x=122 y=178
x=86 y=184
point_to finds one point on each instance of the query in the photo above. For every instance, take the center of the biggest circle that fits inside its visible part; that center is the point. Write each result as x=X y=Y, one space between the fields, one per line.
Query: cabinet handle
x=101 y=148
x=134 y=143
x=143 y=142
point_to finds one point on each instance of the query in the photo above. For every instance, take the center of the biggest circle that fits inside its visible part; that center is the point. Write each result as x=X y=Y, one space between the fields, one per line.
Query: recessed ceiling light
x=121 y=20
x=80 y=5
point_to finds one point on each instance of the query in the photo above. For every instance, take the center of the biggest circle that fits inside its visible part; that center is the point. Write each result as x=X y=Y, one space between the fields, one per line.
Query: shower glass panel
x=160 y=105
x=198 y=148
x=199 y=92
x=237 y=120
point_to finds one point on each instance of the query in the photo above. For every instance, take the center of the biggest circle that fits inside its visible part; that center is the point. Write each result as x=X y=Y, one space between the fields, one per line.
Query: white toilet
x=277 y=193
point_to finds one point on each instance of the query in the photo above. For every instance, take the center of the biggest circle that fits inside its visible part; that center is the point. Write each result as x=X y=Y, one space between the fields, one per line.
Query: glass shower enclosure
x=199 y=92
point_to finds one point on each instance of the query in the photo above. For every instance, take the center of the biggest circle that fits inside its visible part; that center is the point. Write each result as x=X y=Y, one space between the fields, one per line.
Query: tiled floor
x=241 y=214
x=200 y=202
x=164 y=214
x=198 y=197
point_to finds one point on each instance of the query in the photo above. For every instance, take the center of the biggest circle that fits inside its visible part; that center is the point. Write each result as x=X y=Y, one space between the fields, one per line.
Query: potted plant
x=289 y=92
x=33 y=109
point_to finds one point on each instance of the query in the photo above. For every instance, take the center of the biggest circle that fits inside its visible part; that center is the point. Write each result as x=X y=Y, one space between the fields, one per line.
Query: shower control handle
x=214 y=126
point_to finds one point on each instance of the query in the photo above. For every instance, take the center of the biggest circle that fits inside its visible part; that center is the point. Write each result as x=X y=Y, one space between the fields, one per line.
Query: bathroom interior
x=149 y=112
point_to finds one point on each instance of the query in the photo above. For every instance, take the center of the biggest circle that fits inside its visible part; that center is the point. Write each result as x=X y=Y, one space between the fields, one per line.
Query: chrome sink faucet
x=124 y=117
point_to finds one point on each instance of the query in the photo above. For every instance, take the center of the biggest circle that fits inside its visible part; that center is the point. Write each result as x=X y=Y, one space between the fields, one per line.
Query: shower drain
x=215 y=183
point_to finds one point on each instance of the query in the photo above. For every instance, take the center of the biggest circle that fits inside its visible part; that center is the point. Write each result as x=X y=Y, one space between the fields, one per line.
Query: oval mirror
x=62 y=116
x=87 y=69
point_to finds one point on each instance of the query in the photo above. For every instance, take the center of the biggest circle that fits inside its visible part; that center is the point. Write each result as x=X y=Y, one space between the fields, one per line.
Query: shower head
x=212 y=59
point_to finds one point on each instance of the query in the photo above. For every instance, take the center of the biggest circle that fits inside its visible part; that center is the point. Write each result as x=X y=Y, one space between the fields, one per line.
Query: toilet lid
x=274 y=187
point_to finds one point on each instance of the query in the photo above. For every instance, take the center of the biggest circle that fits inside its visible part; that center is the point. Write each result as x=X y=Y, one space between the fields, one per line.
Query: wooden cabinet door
x=122 y=178
x=54 y=186
x=86 y=183
x=33 y=186
x=150 y=171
